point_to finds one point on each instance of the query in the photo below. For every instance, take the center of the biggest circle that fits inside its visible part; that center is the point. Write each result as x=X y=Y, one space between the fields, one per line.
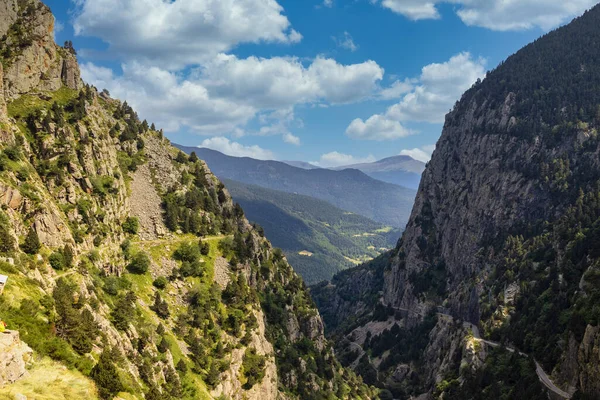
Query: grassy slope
x=318 y=238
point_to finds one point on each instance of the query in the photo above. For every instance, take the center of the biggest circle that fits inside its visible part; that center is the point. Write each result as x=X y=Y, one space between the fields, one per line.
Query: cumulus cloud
x=281 y=82
x=377 y=127
x=227 y=92
x=174 y=34
x=500 y=15
x=236 y=149
x=397 y=89
x=421 y=154
x=413 y=9
x=345 y=41
x=172 y=102
x=431 y=96
x=336 y=159
x=440 y=85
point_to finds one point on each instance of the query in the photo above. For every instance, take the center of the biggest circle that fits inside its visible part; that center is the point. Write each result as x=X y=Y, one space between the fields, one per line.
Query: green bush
x=131 y=225
x=7 y=242
x=139 y=263
x=22 y=174
x=160 y=282
x=57 y=261
x=253 y=367
x=13 y=153
x=32 y=244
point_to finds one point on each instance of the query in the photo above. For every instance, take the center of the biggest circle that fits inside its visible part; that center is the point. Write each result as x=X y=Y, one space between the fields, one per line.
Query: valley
x=135 y=268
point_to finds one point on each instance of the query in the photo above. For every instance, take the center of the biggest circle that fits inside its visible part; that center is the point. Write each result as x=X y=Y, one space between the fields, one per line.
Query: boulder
x=14 y=357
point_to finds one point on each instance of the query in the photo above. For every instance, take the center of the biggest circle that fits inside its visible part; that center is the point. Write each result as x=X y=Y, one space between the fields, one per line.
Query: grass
x=28 y=104
x=49 y=380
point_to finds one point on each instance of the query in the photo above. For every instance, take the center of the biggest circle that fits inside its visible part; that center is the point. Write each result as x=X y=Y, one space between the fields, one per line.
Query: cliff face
x=502 y=231
x=132 y=264
x=31 y=59
x=14 y=357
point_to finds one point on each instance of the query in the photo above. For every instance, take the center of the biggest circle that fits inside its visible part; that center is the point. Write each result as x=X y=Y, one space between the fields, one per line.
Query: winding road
x=542 y=375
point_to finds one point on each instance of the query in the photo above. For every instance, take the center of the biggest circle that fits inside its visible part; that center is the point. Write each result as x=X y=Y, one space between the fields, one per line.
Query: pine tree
x=106 y=376
x=32 y=244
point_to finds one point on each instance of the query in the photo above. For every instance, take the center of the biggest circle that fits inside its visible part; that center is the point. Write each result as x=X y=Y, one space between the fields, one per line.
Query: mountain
x=318 y=239
x=301 y=164
x=131 y=272
x=400 y=170
x=493 y=289
x=349 y=190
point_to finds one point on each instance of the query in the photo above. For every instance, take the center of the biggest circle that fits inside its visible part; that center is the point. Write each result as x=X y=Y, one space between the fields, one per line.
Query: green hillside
x=318 y=238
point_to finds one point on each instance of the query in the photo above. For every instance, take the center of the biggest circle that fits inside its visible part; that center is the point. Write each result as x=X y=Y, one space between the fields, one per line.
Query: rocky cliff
x=132 y=264
x=31 y=59
x=14 y=357
x=502 y=233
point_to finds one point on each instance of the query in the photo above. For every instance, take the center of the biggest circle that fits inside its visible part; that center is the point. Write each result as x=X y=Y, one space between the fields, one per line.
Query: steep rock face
x=14 y=357
x=502 y=233
x=470 y=193
x=31 y=58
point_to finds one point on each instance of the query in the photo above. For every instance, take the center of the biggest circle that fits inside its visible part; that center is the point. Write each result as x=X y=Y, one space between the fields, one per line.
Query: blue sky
x=332 y=82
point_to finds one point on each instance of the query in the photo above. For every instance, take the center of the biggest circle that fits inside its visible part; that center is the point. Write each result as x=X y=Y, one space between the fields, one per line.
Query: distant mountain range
x=400 y=170
x=318 y=238
x=350 y=189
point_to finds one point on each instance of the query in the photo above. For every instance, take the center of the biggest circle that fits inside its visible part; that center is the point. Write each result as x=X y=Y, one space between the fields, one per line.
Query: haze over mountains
x=350 y=189
x=400 y=170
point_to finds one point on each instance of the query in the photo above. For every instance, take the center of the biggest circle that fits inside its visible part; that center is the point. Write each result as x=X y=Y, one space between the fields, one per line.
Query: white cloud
x=377 y=127
x=397 y=89
x=336 y=159
x=440 y=85
x=174 y=34
x=328 y=3
x=345 y=41
x=291 y=139
x=236 y=149
x=430 y=98
x=501 y=15
x=58 y=26
x=413 y=9
x=421 y=154
x=172 y=102
x=282 y=82
x=228 y=92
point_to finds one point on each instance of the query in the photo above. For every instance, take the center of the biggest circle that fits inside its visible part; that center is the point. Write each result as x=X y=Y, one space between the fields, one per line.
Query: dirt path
x=542 y=375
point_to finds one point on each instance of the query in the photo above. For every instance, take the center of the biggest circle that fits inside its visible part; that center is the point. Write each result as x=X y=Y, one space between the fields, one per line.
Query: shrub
x=131 y=225
x=187 y=251
x=7 y=242
x=160 y=307
x=13 y=153
x=160 y=282
x=57 y=261
x=139 y=264
x=204 y=248
x=22 y=174
x=253 y=367
x=32 y=244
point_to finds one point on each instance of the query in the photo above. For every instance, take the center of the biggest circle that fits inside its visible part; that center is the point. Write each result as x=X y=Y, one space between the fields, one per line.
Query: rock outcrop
x=14 y=357
x=33 y=61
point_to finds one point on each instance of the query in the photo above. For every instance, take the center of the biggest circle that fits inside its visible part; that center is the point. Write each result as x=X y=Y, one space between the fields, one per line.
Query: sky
x=332 y=82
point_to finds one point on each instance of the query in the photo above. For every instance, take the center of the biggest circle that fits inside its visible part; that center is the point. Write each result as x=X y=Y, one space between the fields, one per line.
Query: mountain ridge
x=501 y=236
x=129 y=265
x=350 y=190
